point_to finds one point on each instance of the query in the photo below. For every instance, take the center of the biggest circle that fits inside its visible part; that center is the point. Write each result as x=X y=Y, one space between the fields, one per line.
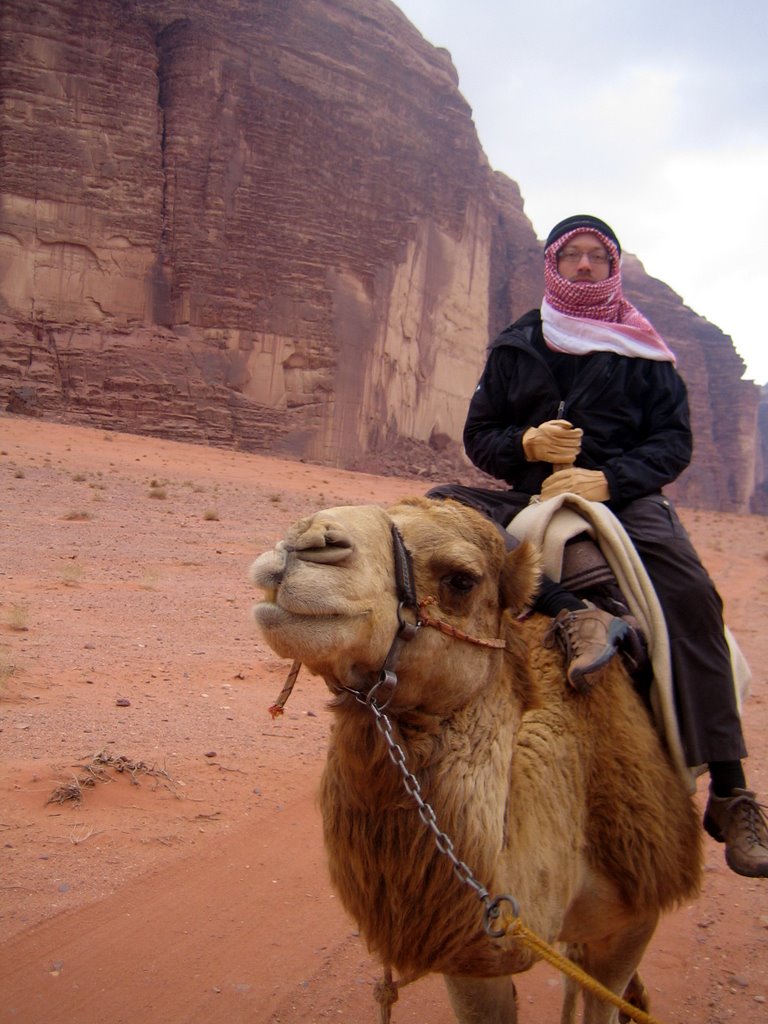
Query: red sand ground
x=200 y=895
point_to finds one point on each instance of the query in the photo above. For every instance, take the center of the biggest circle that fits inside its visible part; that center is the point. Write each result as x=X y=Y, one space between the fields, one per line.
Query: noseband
x=406 y=631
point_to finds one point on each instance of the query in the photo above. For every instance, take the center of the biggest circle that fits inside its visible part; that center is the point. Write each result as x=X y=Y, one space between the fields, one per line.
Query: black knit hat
x=581 y=220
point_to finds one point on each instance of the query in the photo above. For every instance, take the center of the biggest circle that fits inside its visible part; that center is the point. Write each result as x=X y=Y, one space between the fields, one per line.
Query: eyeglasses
x=597 y=259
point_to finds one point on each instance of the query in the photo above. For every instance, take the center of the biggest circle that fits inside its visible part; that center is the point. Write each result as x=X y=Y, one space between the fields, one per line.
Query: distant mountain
x=272 y=225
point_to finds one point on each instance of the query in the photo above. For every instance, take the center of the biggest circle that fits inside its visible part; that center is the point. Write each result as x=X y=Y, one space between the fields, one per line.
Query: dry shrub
x=18 y=617
x=7 y=670
x=71 y=575
x=98 y=770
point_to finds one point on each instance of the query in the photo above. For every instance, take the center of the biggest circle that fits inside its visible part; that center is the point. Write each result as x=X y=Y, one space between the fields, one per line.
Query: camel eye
x=461 y=582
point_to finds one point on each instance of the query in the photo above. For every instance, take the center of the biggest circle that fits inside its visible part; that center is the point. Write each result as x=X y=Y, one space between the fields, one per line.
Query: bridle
x=406 y=631
x=407 y=600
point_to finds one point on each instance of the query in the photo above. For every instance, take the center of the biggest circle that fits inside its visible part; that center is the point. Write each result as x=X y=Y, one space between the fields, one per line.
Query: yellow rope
x=568 y=967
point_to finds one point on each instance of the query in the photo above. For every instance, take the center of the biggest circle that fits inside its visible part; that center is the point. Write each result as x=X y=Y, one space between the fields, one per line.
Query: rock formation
x=759 y=502
x=722 y=474
x=271 y=224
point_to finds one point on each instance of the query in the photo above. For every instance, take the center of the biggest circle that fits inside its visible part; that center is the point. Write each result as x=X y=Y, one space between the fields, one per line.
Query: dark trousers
x=708 y=715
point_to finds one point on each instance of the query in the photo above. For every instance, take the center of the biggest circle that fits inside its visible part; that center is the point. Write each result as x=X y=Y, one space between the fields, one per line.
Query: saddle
x=585 y=547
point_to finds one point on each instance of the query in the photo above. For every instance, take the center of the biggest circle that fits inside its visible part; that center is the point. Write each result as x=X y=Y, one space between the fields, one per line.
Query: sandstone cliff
x=760 y=497
x=724 y=470
x=271 y=224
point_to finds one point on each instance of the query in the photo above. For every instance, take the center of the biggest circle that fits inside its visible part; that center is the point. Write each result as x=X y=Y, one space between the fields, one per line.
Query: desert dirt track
x=190 y=887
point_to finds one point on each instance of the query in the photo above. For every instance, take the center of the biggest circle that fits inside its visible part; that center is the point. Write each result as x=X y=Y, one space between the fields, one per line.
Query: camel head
x=331 y=599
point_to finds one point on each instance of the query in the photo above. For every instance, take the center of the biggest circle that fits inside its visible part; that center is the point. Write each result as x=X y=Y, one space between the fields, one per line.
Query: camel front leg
x=614 y=961
x=482 y=1000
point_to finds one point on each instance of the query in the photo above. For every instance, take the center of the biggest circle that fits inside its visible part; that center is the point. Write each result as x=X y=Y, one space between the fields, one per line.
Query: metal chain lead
x=492 y=906
x=427 y=814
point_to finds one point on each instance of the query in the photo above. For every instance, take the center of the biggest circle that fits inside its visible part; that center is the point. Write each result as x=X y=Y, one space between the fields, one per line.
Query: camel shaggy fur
x=563 y=800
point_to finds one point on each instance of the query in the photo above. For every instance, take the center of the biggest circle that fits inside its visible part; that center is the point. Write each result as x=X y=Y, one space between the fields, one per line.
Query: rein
x=453 y=631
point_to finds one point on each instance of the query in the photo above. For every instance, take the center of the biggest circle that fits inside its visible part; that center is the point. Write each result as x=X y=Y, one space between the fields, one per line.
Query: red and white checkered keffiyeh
x=593 y=316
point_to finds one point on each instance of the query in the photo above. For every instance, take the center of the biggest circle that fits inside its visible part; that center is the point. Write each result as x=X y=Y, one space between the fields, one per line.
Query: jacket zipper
x=602 y=372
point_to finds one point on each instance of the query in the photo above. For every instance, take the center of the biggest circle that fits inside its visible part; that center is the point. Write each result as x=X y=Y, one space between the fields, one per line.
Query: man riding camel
x=582 y=397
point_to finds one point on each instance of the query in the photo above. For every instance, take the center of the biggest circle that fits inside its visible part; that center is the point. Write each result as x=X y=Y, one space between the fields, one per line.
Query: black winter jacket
x=634 y=414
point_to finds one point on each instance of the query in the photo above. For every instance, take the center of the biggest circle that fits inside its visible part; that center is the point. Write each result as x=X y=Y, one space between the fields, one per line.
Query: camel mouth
x=312 y=636
x=269 y=614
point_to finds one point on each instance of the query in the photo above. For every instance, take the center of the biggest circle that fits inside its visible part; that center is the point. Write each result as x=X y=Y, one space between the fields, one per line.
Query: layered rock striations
x=726 y=462
x=760 y=497
x=271 y=224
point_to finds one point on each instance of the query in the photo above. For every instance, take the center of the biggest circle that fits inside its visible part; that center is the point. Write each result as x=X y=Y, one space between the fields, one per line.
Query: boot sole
x=745 y=872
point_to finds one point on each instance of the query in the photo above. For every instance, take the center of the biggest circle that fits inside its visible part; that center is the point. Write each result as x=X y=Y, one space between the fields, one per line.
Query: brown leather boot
x=739 y=822
x=589 y=639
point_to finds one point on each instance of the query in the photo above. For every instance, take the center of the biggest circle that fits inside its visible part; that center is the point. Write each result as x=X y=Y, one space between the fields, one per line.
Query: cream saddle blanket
x=549 y=524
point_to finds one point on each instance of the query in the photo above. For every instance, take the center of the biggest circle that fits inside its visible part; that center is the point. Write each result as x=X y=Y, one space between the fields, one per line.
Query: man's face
x=584 y=258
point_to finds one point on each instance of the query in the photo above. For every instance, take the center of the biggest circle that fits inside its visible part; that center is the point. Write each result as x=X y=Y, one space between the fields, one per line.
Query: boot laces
x=564 y=633
x=753 y=816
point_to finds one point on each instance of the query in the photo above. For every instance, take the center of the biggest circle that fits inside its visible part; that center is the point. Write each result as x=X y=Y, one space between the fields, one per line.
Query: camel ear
x=520 y=577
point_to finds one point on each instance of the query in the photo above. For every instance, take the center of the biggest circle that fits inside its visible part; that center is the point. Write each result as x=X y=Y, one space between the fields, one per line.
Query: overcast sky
x=652 y=114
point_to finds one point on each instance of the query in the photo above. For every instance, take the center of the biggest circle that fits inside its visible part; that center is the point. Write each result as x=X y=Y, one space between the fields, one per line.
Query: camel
x=565 y=801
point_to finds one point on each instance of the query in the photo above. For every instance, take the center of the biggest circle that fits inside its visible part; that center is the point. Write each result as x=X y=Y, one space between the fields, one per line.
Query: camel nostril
x=333 y=551
x=321 y=542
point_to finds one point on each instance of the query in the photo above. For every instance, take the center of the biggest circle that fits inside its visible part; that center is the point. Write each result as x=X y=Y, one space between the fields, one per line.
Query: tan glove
x=587 y=483
x=556 y=441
